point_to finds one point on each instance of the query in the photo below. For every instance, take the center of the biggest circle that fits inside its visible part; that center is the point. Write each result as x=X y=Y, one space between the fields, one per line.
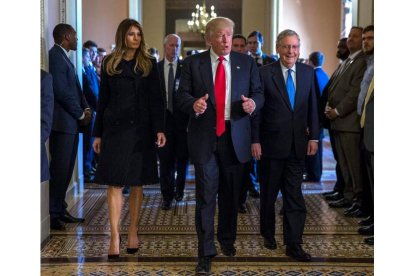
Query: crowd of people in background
x=251 y=123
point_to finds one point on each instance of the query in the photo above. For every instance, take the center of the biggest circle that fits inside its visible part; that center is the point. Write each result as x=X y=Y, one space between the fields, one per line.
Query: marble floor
x=168 y=243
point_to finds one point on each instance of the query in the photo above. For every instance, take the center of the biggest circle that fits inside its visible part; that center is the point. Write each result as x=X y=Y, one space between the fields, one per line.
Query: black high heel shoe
x=115 y=256
x=132 y=250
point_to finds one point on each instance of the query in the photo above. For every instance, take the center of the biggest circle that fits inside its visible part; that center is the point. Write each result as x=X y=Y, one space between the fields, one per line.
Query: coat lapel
x=300 y=85
x=279 y=80
x=235 y=68
x=71 y=66
x=207 y=76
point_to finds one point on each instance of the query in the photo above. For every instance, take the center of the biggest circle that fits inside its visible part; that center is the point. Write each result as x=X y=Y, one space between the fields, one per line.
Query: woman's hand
x=97 y=145
x=161 y=140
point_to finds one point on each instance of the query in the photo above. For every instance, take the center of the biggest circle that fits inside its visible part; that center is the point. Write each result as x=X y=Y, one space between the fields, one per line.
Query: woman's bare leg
x=135 y=202
x=115 y=202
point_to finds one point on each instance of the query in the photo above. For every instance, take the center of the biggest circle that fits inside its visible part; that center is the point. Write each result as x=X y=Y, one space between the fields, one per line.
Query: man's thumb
x=205 y=97
x=244 y=98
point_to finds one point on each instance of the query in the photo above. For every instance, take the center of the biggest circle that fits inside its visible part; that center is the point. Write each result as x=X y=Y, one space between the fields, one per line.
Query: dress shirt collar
x=285 y=69
x=351 y=57
x=215 y=57
x=64 y=50
x=167 y=62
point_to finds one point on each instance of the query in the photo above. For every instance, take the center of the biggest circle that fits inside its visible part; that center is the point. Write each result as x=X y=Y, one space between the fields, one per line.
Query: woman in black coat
x=129 y=121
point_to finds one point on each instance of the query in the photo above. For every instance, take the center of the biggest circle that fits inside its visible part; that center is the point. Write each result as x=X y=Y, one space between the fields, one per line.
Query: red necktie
x=220 y=94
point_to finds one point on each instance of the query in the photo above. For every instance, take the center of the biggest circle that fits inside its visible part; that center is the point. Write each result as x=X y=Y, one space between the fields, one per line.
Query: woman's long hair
x=142 y=58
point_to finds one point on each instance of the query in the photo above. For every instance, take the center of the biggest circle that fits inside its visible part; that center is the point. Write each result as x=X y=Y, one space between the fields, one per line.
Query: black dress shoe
x=369 y=240
x=178 y=197
x=342 y=203
x=328 y=193
x=166 y=205
x=203 y=266
x=358 y=213
x=366 y=221
x=366 y=230
x=253 y=193
x=242 y=209
x=228 y=249
x=335 y=196
x=296 y=252
x=68 y=218
x=56 y=224
x=353 y=208
x=270 y=243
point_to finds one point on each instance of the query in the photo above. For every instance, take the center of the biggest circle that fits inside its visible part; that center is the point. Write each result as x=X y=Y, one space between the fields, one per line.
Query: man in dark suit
x=314 y=162
x=46 y=119
x=219 y=89
x=284 y=131
x=70 y=112
x=90 y=87
x=254 y=45
x=344 y=122
x=174 y=155
x=365 y=108
x=337 y=193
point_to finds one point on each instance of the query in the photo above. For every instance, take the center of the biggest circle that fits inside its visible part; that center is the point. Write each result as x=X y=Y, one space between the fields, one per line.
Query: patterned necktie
x=170 y=88
x=220 y=95
x=290 y=87
x=369 y=93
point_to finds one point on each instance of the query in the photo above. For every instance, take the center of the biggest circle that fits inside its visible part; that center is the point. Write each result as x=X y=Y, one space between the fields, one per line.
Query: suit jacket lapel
x=71 y=66
x=300 y=85
x=235 y=68
x=279 y=80
x=207 y=76
x=161 y=71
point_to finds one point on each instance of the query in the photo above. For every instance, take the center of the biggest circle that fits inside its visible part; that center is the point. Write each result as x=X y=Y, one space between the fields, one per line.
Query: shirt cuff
x=336 y=111
x=83 y=116
x=317 y=141
x=254 y=107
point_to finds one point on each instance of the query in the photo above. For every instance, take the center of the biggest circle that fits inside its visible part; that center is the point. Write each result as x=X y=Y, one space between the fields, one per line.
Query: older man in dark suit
x=174 y=155
x=46 y=118
x=70 y=112
x=219 y=89
x=285 y=130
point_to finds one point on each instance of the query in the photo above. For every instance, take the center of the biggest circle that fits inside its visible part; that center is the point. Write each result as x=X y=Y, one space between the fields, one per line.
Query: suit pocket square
x=237 y=67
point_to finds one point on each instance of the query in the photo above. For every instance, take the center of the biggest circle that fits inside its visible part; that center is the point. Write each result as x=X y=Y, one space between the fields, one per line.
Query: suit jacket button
x=132 y=122
x=117 y=123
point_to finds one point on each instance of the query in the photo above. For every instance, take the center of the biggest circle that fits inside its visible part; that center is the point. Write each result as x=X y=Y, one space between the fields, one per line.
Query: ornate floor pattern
x=168 y=244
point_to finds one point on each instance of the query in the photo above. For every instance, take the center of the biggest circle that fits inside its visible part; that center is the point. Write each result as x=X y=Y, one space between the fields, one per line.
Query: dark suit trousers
x=349 y=157
x=249 y=179
x=340 y=183
x=314 y=162
x=222 y=175
x=173 y=160
x=88 y=152
x=63 y=148
x=285 y=175
x=367 y=160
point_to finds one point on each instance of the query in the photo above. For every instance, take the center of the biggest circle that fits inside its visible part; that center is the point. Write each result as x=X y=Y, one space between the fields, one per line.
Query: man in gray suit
x=344 y=120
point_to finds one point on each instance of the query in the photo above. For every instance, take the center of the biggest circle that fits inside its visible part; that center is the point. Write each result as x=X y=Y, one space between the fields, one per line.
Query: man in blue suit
x=174 y=155
x=219 y=89
x=70 y=112
x=284 y=131
x=90 y=87
x=46 y=118
x=314 y=162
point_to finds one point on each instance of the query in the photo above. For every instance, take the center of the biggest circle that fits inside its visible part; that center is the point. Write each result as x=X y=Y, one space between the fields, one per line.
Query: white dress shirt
x=227 y=68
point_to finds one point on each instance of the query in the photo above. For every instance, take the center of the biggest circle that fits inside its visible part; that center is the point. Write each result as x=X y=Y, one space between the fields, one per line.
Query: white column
x=135 y=10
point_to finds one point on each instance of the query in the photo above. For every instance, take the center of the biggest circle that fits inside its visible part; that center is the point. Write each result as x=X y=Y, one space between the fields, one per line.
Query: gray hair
x=284 y=34
x=171 y=35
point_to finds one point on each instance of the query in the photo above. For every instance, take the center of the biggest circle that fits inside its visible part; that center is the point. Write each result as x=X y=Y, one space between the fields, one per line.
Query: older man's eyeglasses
x=289 y=47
